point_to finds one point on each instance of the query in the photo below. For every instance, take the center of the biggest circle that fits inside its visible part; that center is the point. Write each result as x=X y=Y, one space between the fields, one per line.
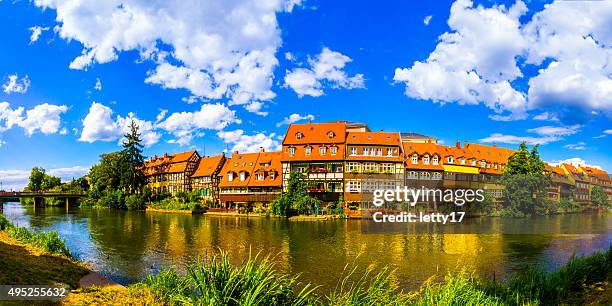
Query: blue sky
x=225 y=76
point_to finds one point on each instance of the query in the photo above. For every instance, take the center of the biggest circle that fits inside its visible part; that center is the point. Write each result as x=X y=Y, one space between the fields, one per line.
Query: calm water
x=126 y=246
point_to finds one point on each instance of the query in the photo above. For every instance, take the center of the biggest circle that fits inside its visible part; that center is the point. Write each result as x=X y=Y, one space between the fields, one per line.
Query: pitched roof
x=553 y=169
x=174 y=163
x=315 y=133
x=373 y=138
x=267 y=162
x=243 y=162
x=421 y=149
x=208 y=165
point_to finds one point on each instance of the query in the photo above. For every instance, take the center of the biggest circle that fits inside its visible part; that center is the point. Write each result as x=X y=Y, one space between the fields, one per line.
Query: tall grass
x=254 y=282
x=47 y=241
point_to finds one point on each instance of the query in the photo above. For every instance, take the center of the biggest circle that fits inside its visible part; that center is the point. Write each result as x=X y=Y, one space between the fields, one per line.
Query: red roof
x=208 y=165
x=315 y=133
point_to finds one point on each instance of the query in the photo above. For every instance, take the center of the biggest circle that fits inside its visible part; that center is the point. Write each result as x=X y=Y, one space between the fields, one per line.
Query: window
x=450 y=159
x=299 y=135
x=488 y=165
x=272 y=175
x=387 y=168
x=291 y=151
x=353 y=151
x=366 y=151
x=495 y=167
x=389 y=152
x=412 y=175
x=333 y=150
x=415 y=159
x=426 y=159
x=260 y=176
x=330 y=134
x=473 y=162
x=230 y=176
x=308 y=150
x=242 y=175
x=379 y=152
x=483 y=164
x=352 y=167
x=463 y=161
x=322 y=150
x=370 y=167
x=434 y=160
x=436 y=176
x=353 y=186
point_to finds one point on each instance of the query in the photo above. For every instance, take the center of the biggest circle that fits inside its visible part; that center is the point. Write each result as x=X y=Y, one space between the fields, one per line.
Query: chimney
x=494 y=145
x=155 y=157
x=458 y=144
x=165 y=155
x=236 y=152
x=466 y=145
x=261 y=149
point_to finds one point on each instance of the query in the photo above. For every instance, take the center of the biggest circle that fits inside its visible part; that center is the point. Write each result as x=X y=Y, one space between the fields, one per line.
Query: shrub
x=5 y=223
x=113 y=199
x=47 y=241
x=280 y=206
x=134 y=202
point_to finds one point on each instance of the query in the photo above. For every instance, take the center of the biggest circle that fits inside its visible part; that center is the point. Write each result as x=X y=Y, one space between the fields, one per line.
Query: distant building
x=171 y=173
x=581 y=182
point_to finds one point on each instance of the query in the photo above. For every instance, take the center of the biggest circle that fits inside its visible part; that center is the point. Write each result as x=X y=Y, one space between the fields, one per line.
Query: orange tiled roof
x=490 y=154
x=553 y=169
x=373 y=138
x=594 y=172
x=244 y=162
x=267 y=162
x=315 y=133
x=421 y=149
x=174 y=163
x=571 y=169
x=208 y=165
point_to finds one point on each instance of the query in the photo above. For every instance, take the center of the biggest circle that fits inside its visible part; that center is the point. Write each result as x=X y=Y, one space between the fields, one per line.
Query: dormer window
x=426 y=160
x=450 y=159
x=334 y=150
x=330 y=134
x=389 y=152
x=242 y=175
x=299 y=135
x=415 y=159
x=473 y=162
x=291 y=151
x=463 y=161
x=308 y=150
x=483 y=164
x=272 y=175
x=260 y=176
x=434 y=160
x=230 y=176
x=322 y=150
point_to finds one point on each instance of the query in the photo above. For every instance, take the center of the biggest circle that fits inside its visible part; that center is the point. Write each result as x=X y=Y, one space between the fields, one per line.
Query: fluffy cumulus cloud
x=15 y=85
x=544 y=135
x=294 y=118
x=36 y=32
x=249 y=143
x=213 y=49
x=99 y=125
x=325 y=70
x=184 y=125
x=476 y=62
x=13 y=179
x=44 y=118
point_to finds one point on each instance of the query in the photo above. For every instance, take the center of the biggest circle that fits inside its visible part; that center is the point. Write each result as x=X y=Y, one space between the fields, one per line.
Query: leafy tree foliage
x=40 y=181
x=599 y=197
x=296 y=197
x=526 y=184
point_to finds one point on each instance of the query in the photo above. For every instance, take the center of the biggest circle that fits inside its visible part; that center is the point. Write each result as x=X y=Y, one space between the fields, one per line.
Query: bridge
x=38 y=196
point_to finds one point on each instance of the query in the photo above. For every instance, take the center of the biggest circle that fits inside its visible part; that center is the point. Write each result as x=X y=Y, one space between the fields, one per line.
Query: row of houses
x=345 y=162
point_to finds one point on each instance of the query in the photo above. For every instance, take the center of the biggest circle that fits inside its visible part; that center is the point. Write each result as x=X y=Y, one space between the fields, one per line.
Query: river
x=126 y=246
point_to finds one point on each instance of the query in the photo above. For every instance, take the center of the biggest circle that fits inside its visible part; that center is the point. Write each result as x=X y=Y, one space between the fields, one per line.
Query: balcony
x=317 y=170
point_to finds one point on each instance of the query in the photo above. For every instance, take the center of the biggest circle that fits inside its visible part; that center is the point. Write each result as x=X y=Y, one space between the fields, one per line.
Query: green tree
x=133 y=177
x=50 y=182
x=526 y=184
x=37 y=177
x=599 y=197
x=106 y=175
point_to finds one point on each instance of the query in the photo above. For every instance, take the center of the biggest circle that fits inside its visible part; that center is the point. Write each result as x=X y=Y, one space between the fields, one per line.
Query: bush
x=306 y=205
x=113 y=199
x=280 y=206
x=5 y=223
x=134 y=202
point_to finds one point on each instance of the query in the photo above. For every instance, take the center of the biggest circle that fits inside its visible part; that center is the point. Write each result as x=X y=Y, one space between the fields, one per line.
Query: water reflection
x=126 y=246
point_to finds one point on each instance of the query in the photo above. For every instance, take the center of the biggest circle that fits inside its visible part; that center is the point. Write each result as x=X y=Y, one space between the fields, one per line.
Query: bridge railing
x=40 y=193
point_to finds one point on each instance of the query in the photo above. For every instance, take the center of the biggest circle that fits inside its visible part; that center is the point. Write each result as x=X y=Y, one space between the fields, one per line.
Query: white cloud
x=546 y=116
x=13 y=179
x=36 y=32
x=255 y=107
x=576 y=146
x=294 y=118
x=13 y=84
x=161 y=115
x=427 y=20
x=603 y=134
x=98 y=85
x=574 y=161
x=2 y=142
x=546 y=134
x=477 y=60
x=185 y=125
x=99 y=125
x=44 y=118
x=225 y=49
x=249 y=143
x=326 y=70
x=289 y=56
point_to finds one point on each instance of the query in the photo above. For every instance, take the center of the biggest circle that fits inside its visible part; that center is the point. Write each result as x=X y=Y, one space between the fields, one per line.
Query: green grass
x=255 y=282
x=47 y=241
